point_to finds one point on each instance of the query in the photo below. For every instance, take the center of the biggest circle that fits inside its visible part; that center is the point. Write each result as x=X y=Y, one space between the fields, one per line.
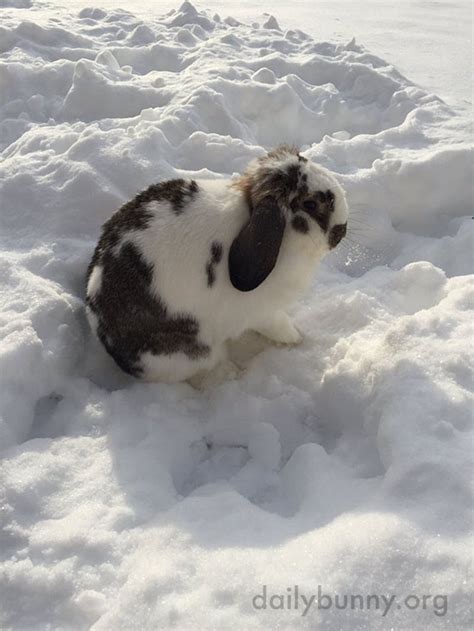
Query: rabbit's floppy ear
x=255 y=249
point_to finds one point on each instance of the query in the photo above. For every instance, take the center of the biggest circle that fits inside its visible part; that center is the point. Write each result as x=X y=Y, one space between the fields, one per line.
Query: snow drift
x=343 y=462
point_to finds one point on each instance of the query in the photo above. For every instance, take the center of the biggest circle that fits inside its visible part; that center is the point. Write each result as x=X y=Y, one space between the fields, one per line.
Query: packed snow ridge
x=343 y=462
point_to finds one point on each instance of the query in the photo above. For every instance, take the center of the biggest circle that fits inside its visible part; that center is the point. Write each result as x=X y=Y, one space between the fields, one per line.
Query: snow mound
x=343 y=462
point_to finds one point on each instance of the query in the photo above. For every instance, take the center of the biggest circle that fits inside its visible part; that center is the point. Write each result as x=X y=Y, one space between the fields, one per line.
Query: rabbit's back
x=155 y=273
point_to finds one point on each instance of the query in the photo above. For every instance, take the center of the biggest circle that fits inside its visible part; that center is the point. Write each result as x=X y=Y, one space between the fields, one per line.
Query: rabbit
x=189 y=265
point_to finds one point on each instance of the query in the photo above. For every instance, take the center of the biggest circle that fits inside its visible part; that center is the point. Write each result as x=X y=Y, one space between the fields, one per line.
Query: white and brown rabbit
x=188 y=265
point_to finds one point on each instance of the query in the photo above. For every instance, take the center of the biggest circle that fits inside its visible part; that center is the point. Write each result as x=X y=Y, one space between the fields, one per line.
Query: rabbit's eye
x=309 y=205
x=317 y=208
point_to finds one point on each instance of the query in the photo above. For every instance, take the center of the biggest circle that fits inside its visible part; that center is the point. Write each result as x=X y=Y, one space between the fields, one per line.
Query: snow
x=344 y=462
x=427 y=40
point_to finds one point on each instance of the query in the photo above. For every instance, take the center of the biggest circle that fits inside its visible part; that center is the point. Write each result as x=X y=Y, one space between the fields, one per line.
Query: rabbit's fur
x=188 y=265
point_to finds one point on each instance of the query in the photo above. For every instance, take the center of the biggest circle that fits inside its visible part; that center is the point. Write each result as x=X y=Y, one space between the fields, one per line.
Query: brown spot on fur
x=329 y=199
x=131 y=217
x=132 y=320
x=216 y=257
x=216 y=252
x=134 y=216
x=300 y=224
x=177 y=192
x=337 y=233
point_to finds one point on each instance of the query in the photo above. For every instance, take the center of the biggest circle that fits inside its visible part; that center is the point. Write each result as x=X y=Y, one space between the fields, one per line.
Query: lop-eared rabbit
x=188 y=265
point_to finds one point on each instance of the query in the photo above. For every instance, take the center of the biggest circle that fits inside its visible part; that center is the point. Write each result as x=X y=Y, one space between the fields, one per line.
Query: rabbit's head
x=288 y=197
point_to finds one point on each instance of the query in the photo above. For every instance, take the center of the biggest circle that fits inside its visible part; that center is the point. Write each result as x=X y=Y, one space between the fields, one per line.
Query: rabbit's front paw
x=281 y=330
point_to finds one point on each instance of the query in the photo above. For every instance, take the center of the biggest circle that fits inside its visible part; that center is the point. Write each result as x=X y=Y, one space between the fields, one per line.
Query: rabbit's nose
x=337 y=233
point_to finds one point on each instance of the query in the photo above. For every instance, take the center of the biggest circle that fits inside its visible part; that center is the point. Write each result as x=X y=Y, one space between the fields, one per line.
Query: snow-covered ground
x=430 y=41
x=341 y=466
